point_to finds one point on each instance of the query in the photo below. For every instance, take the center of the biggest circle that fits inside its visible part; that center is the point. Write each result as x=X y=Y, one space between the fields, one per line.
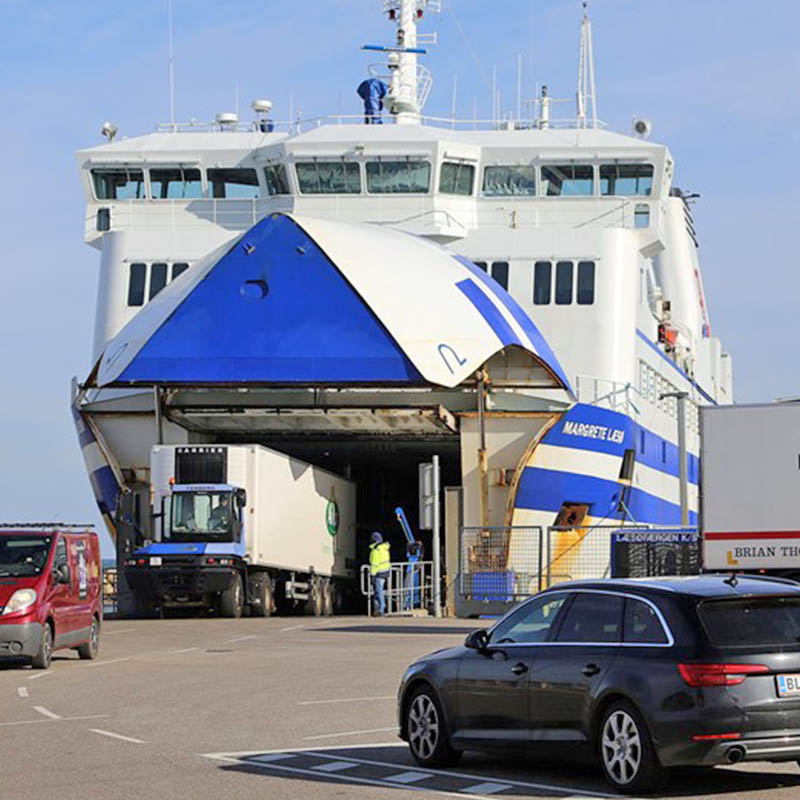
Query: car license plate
x=788 y=685
x=155 y=561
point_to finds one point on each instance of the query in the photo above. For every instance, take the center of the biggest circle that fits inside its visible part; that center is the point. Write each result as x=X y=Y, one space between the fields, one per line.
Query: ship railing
x=614 y=395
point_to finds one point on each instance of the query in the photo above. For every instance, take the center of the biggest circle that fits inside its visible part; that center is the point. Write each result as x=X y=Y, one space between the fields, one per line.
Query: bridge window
x=509 y=182
x=398 y=177
x=563 y=283
x=626 y=179
x=158 y=279
x=233 y=184
x=118 y=184
x=137 y=275
x=542 y=282
x=500 y=272
x=277 y=179
x=178 y=269
x=456 y=178
x=175 y=184
x=585 y=293
x=328 y=177
x=568 y=180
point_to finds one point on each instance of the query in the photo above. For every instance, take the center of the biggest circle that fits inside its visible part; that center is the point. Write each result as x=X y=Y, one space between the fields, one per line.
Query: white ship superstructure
x=583 y=227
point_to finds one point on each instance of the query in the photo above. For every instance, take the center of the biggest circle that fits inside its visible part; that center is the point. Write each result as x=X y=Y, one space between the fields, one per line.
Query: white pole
x=494 y=93
x=682 y=465
x=519 y=87
x=437 y=546
x=455 y=98
x=171 y=72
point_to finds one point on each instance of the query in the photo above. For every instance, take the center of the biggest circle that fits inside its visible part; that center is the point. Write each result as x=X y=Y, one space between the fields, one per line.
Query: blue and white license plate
x=788 y=685
x=155 y=561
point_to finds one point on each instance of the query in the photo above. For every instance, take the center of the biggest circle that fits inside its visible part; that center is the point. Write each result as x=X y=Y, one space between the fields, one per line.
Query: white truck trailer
x=750 y=502
x=240 y=525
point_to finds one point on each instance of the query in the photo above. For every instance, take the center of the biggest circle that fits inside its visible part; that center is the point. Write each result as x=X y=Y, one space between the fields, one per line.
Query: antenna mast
x=586 y=88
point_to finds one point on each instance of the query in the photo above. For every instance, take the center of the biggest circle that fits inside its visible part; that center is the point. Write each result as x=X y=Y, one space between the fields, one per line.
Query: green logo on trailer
x=332 y=517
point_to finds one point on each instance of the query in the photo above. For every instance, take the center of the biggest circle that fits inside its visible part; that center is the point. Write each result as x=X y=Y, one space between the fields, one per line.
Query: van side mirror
x=62 y=573
x=477 y=640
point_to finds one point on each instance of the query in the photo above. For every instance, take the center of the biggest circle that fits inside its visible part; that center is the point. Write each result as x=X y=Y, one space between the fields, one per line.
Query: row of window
x=652 y=388
x=147 y=280
x=400 y=176
x=572 y=283
x=582 y=618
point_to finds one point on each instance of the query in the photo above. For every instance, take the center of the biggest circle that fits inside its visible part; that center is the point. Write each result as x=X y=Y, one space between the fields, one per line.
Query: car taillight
x=718 y=674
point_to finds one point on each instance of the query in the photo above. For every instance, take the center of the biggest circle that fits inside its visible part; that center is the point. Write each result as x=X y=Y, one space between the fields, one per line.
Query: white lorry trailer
x=240 y=525
x=750 y=502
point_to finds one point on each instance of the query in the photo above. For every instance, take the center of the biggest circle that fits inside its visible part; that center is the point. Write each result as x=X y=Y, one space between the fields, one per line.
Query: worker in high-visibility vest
x=380 y=561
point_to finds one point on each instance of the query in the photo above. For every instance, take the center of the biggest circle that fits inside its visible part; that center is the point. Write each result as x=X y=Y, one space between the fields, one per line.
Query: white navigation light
x=642 y=127
x=109 y=131
x=227 y=119
x=261 y=106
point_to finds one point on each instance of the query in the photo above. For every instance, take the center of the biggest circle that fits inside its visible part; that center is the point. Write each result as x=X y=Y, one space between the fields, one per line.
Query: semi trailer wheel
x=262 y=590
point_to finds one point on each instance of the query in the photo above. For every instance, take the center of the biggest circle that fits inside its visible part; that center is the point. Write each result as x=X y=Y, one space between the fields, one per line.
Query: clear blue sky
x=718 y=78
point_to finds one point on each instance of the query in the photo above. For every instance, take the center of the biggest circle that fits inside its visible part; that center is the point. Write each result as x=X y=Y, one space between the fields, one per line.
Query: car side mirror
x=62 y=573
x=477 y=640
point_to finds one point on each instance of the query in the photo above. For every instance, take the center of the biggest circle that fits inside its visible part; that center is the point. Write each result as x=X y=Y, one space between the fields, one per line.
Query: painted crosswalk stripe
x=408 y=777
x=335 y=766
x=486 y=788
x=267 y=757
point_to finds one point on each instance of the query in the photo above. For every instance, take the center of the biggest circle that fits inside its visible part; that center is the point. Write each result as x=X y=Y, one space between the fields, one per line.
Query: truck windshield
x=202 y=514
x=21 y=556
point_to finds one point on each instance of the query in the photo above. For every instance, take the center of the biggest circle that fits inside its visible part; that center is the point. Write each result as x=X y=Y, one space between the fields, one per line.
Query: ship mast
x=586 y=89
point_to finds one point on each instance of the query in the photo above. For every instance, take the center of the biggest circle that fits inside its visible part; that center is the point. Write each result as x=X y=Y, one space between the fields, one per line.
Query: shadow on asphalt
x=496 y=775
x=410 y=630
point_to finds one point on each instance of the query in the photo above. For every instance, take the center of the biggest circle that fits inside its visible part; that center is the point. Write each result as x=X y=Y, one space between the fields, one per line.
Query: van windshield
x=22 y=556
x=202 y=515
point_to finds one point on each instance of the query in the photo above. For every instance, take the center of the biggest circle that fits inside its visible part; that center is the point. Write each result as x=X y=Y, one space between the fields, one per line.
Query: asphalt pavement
x=291 y=707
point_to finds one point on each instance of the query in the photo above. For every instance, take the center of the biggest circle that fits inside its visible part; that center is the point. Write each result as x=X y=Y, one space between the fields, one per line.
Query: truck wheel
x=232 y=601
x=316 y=601
x=45 y=653
x=328 y=591
x=143 y=608
x=262 y=589
x=88 y=651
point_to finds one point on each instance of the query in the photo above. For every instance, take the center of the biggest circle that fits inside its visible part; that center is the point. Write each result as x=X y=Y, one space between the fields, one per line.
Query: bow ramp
x=301 y=301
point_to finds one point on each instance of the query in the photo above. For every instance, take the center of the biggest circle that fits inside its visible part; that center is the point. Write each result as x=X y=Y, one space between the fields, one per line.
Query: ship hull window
x=500 y=273
x=509 y=182
x=328 y=177
x=233 y=184
x=629 y=180
x=398 y=177
x=542 y=283
x=118 y=184
x=568 y=180
x=175 y=184
x=456 y=178
x=158 y=279
x=481 y=265
x=563 y=283
x=585 y=293
x=277 y=179
x=137 y=274
x=178 y=269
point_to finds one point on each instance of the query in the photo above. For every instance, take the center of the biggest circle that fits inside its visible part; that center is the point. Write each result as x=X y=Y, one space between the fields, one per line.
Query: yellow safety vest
x=379 y=558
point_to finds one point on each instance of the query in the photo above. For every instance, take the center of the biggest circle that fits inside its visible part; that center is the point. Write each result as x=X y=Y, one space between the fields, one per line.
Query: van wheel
x=262 y=589
x=627 y=756
x=88 y=651
x=44 y=656
x=232 y=601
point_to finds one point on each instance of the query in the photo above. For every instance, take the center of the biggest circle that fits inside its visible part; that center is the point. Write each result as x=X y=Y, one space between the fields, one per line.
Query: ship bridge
x=359 y=348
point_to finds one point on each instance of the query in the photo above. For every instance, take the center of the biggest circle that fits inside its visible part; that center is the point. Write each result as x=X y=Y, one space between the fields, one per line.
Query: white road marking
x=60 y=719
x=241 y=639
x=45 y=712
x=348 y=733
x=335 y=766
x=116 y=631
x=409 y=777
x=302 y=750
x=109 y=661
x=184 y=650
x=346 y=700
x=290 y=628
x=117 y=736
x=487 y=788
x=267 y=757
x=22 y=691
x=38 y=675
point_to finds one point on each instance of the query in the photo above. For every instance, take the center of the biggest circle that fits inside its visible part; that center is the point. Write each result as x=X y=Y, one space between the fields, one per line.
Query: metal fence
x=501 y=566
x=408 y=590
x=110 y=607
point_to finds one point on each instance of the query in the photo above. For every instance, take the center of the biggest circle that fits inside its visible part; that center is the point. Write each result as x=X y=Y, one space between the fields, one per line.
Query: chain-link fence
x=501 y=566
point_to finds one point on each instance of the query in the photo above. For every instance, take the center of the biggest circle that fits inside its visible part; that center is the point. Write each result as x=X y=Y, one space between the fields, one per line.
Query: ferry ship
x=521 y=297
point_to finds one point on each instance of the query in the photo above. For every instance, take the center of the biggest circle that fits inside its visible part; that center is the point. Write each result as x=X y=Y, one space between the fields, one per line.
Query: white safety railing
x=408 y=589
x=614 y=395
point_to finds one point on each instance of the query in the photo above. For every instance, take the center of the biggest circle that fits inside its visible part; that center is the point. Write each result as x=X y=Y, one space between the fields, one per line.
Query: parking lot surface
x=276 y=708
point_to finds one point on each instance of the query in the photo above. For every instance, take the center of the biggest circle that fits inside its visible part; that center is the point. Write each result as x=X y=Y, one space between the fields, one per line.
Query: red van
x=50 y=591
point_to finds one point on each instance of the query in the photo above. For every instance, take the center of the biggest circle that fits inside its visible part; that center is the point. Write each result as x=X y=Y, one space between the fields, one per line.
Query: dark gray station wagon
x=650 y=674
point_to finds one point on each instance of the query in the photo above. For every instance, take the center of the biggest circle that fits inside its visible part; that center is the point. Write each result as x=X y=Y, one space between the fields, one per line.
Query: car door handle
x=519 y=669
x=590 y=670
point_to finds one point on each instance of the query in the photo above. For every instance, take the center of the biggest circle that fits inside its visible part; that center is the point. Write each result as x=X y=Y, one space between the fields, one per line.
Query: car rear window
x=752 y=621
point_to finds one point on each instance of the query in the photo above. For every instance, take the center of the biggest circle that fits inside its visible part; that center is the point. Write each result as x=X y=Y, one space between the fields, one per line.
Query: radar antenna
x=586 y=88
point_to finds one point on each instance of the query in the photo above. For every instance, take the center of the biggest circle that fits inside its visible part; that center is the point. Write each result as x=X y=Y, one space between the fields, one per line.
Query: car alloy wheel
x=621 y=747
x=423 y=726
